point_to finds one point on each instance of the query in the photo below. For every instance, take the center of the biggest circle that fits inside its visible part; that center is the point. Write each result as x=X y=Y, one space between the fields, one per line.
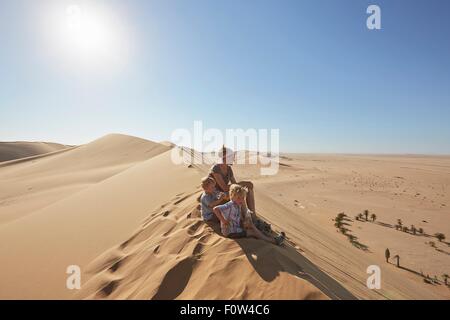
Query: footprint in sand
x=195 y=213
x=204 y=239
x=165 y=234
x=124 y=244
x=181 y=199
x=108 y=288
x=115 y=266
x=193 y=228
x=197 y=249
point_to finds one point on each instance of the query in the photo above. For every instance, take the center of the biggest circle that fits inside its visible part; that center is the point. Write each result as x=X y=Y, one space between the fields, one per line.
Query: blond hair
x=237 y=190
x=206 y=181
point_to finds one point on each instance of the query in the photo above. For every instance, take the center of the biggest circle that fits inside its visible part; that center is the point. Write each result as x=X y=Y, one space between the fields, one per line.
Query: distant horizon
x=281 y=151
x=73 y=71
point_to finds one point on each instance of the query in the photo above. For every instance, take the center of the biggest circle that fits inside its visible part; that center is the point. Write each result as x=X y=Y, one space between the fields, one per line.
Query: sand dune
x=122 y=211
x=36 y=182
x=174 y=254
x=20 y=149
x=87 y=224
x=76 y=229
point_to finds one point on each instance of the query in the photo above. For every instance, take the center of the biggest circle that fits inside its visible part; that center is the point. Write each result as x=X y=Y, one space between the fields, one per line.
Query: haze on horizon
x=72 y=71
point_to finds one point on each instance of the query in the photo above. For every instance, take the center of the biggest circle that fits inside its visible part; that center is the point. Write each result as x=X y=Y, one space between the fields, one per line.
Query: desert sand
x=122 y=211
x=23 y=149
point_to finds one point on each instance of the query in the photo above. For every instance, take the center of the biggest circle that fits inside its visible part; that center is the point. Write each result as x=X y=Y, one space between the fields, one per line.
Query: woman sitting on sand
x=223 y=175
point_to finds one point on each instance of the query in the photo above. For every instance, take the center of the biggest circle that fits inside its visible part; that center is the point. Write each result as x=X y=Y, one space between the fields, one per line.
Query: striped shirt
x=232 y=213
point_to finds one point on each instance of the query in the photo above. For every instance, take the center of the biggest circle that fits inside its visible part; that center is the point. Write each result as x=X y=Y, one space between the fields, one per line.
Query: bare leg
x=250 y=195
x=252 y=231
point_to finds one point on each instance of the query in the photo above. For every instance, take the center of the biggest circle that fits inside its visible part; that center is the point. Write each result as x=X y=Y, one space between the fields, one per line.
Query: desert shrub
x=440 y=236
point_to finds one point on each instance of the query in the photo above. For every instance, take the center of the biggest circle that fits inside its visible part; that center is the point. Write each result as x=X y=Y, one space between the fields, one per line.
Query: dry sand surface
x=128 y=216
x=16 y=150
x=34 y=183
x=313 y=189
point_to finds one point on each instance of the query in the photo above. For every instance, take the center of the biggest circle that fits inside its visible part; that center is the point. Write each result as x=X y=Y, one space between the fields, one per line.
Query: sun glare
x=88 y=37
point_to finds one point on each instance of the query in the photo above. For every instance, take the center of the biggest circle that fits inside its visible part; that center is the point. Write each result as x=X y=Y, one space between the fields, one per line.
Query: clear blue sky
x=310 y=68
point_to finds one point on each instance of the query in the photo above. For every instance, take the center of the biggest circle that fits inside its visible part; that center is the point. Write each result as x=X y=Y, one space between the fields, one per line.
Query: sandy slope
x=79 y=228
x=21 y=149
x=311 y=189
x=174 y=254
x=34 y=183
x=133 y=227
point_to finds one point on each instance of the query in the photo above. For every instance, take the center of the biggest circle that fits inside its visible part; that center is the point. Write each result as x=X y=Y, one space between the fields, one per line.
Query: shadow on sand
x=269 y=260
x=426 y=279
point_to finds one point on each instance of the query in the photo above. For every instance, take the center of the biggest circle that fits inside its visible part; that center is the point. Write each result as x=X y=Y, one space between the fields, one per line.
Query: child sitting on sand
x=210 y=198
x=236 y=220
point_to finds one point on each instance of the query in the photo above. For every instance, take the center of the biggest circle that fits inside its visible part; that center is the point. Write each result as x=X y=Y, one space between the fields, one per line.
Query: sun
x=94 y=39
x=88 y=34
x=87 y=38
